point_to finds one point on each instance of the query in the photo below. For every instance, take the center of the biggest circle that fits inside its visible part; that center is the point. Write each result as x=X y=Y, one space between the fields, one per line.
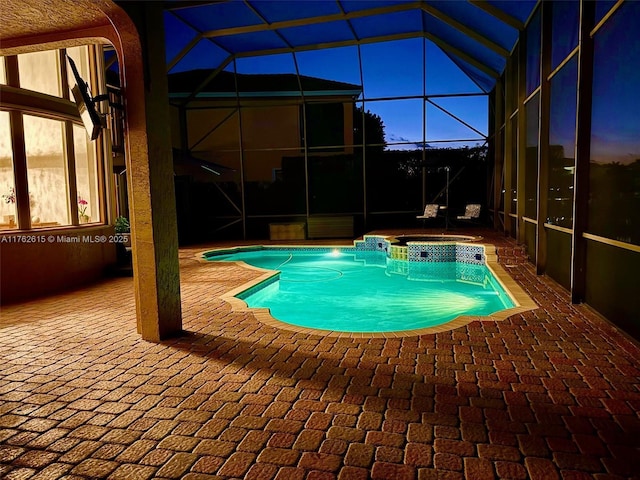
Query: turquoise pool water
x=347 y=291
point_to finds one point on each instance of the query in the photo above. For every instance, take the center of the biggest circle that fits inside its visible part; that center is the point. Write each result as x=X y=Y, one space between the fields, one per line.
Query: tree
x=373 y=126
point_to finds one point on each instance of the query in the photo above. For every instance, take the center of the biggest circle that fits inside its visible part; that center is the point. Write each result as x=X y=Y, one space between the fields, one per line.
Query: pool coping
x=523 y=302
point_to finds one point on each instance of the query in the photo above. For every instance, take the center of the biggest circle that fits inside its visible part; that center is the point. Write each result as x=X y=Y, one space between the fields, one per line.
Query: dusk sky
x=615 y=131
x=389 y=69
x=395 y=68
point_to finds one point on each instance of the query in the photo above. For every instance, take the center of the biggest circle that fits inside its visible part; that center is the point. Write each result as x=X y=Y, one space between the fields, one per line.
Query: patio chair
x=471 y=213
x=430 y=212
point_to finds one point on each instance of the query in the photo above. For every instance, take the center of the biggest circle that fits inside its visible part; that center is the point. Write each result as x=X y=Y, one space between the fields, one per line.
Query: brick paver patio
x=548 y=394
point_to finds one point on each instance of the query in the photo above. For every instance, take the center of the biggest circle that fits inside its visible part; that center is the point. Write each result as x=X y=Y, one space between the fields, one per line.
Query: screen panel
x=615 y=133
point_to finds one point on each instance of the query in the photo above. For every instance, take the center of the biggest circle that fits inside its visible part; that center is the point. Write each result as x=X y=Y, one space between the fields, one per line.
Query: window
x=3 y=75
x=564 y=30
x=512 y=82
x=534 y=45
x=8 y=218
x=46 y=171
x=86 y=177
x=40 y=72
x=55 y=147
x=562 y=140
x=503 y=139
x=532 y=109
x=614 y=173
x=80 y=56
x=514 y=165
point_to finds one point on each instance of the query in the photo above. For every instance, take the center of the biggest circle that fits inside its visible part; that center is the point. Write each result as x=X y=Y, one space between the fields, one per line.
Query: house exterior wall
x=147 y=146
x=47 y=247
x=47 y=262
x=270 y=131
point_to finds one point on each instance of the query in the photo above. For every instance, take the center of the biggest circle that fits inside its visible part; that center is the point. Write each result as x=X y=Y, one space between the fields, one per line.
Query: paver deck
x=547 y=394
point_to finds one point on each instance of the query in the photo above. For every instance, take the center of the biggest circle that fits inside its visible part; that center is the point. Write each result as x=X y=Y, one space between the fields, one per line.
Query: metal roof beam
x=264 y=20
x=384 y=38
x=453 y=59
x=320 y=46
x=463 y=55
x=183 y=52
x=491 y=45
x=313 y=20
x=109 y=63
x=192 y=43
x=188 y=4
x=353 y=32
x=208 y=79
x=499 y=14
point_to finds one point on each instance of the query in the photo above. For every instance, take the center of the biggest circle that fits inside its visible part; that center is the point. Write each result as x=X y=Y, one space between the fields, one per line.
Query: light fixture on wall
x=93 y=121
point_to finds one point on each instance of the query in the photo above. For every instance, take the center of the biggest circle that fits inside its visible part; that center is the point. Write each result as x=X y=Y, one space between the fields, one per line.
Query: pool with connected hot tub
x=380 y=286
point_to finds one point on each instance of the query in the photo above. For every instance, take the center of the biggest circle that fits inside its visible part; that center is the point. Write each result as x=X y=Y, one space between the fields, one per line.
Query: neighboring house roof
x=223 y=85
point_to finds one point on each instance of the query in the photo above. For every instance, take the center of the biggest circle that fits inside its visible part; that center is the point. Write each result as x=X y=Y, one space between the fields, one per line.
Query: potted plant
x=123 y=228
x=82 y=210
x=10 y=199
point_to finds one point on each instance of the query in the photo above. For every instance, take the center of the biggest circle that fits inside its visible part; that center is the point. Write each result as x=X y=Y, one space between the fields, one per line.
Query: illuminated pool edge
x=522 y=301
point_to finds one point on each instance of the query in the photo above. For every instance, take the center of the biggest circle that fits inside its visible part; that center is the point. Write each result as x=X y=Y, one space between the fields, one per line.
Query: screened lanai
x=548 y=393
x=355 y=113
x=370 y=110
x=347 y=109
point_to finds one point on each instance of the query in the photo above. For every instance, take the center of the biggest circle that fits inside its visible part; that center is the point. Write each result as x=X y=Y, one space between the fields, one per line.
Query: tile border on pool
x=522 y=301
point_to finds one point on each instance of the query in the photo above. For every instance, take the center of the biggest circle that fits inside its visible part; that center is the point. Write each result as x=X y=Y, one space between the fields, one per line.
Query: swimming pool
x=360 y=290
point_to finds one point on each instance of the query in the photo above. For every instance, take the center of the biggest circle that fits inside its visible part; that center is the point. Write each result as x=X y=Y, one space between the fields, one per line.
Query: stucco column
x=149 y=161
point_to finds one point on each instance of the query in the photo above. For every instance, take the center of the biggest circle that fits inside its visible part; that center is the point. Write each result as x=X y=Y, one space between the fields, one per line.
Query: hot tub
x=402 y=240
